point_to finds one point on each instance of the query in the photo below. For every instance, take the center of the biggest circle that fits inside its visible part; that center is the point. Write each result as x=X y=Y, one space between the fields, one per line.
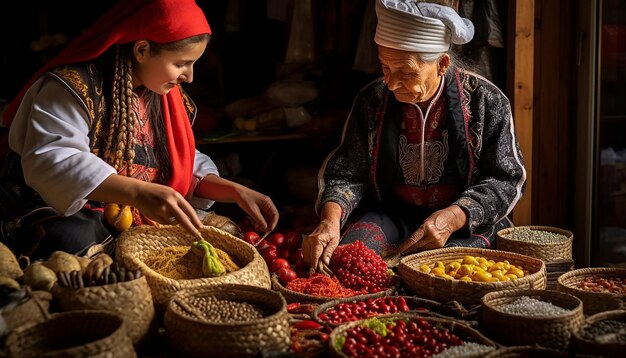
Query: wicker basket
x=583 y=346
x=463 y=331
x=293 y=296
x=137 y=243
x=548 y=252
x=33 y=308
x=192 y=335
x=553 y=331
x=526 y=352
x=72 y=334
x=130 y=300
x=593 y=302
x=465 y=292
x=422 y=306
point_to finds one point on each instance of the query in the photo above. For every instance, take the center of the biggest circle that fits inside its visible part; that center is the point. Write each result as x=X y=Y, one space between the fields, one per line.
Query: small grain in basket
x=467 y=293
x=543 y=242
x=533 y=351
x=520 y=317
x=228 y=320
x=466 y=333
x=603 y=332
x=89 y=333
x=136 y=244
x=593 y=302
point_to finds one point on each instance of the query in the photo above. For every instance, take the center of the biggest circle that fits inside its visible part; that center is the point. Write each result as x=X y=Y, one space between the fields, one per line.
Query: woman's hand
x=436 y=229
x=322 y=242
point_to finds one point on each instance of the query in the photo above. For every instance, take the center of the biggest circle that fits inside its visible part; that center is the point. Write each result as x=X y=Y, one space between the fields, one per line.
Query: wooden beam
x=520 y=91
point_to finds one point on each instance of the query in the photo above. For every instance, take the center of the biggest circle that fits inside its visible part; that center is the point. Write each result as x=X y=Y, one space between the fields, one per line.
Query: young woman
x=107 y=121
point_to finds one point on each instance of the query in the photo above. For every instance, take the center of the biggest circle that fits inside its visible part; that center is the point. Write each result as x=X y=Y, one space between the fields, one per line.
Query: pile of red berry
x=360 y=268
x=416 y=338
x=354 y=311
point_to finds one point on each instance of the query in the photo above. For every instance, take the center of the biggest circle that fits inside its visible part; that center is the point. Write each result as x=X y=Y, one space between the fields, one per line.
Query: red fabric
x=160 y=21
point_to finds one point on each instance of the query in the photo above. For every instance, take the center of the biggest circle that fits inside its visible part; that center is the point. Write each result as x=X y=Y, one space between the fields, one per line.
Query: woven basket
x=137 y=243
x=34 y=308
x=586 y=347
x=293 y=296
x=519 y=330
x=421 y=306
x=130 y=300
x=467 y=293
x=94 y=334
x=198 y=337
x=593 y=302
x=526 y=352
x=548 y=252
x=463 y=331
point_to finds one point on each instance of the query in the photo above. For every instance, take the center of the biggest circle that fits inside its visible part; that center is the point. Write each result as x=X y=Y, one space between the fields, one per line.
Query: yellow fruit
x=470 y=260
x=120 y=218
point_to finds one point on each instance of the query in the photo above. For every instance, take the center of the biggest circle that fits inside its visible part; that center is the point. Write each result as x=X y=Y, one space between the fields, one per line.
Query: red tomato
x=293 y=240
x=269 y=254
x=251 y=237
x=263 y=244
x=296 y=258
x=276 y=239
x=286 y=275
x=279 y=263
x=283 y=252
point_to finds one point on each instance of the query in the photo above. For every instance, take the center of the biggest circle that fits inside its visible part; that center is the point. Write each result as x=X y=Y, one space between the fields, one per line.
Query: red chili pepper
x=307 y=324
x=292 y=306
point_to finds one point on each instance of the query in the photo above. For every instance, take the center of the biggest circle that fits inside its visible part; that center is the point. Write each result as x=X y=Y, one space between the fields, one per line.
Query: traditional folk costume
x=58 y=128
x=396 y=165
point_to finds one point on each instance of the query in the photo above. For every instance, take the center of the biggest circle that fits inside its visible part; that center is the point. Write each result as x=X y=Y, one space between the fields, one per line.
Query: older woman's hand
x=436 y=229
x=320 y=244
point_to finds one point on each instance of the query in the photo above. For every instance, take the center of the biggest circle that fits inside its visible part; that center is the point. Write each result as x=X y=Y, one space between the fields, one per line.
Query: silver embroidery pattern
x=435 y=153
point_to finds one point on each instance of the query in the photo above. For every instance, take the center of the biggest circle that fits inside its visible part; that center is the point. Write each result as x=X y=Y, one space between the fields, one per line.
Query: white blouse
x=50 y=133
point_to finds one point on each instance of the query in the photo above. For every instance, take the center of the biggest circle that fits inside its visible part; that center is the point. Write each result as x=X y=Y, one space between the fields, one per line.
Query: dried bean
x=130 y=275
x=605 y=331
x=467 y=349
x=112 y=278
x=537 y=236
x=62 y=279
x=531 y=307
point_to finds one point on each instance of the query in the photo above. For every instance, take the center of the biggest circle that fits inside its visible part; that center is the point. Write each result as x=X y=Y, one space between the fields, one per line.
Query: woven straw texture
x=293 y=296
x=137 y=243
x=463 y=331
x=526 y=352
x=586 y=347
x=593 y=302
x=198 y=337
x=422 y=306
x=131 y=300
x=518 y=330
x=548 y=252
x=34 y=308
x=97 y=334
x=465 y=292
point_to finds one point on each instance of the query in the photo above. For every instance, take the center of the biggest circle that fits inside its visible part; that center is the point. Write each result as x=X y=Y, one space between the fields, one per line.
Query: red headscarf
x=159 y=21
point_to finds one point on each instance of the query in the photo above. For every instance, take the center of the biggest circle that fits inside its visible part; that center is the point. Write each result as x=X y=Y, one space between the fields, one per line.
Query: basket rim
x=404 y=265
x=323 y=299
x=591 y=271
x=568 y=233
x=148 y=271
x=230 y=287
x=517 y=292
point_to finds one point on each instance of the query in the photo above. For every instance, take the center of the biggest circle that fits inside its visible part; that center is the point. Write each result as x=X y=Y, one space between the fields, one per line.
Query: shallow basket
x=548 y=252
x=467 y=293
x=551 y=331
x=137 y=243
x=130 y=300
x=72 y=334
x=423 y=306
x=586 y=347
x=463 y=331
x=533 y=351
x=193 y=335
x=593 y=302
x=293 y=296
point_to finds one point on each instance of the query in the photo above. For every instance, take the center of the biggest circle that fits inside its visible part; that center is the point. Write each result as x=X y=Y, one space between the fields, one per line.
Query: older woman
x=428 y=156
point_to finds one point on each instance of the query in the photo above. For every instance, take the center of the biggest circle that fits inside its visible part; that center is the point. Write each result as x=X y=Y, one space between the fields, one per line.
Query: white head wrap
x=419 y=26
